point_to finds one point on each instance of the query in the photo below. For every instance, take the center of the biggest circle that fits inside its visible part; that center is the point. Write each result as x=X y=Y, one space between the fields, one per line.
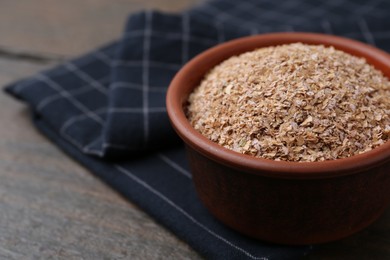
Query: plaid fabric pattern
x=107 y=110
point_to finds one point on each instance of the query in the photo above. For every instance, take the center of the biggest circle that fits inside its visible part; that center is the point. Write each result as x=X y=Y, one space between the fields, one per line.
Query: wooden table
x=51 y=207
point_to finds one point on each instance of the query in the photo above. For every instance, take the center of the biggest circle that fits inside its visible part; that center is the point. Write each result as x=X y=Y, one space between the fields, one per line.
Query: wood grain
x=70 y=27
x=51 y=207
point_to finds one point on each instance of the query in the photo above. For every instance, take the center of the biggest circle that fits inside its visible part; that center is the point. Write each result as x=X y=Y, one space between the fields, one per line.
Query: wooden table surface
x=51 y=207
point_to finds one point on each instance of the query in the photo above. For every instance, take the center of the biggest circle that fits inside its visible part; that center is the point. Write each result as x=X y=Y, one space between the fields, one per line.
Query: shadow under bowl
x=277 y=201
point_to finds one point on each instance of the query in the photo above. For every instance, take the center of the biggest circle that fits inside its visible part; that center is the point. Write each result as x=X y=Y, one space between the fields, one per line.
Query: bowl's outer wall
x=291 y=211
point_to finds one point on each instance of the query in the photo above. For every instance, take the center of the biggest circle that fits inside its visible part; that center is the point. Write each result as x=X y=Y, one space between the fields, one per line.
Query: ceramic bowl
x=283 y=202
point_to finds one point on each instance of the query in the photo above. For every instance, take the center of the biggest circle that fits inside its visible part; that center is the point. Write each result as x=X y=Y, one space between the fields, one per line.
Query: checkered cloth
x=106 y=109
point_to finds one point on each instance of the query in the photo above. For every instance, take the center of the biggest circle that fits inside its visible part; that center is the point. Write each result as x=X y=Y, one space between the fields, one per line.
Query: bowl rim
x=176 y=98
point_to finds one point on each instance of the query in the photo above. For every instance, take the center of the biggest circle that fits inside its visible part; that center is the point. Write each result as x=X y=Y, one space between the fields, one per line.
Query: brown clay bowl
x=282 y=202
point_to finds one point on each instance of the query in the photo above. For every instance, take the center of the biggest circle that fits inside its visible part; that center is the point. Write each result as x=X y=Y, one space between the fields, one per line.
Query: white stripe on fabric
x=145 y=74
x=134 y=110
x=185 y=38
x=135 y=86
x=175 y=165
x=157 y=64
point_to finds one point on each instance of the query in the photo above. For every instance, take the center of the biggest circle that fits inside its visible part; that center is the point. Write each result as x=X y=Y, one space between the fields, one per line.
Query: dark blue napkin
x=107 y=108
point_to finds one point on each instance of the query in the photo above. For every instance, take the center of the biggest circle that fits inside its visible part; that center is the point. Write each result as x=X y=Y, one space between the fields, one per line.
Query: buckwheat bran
x=293 y=102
